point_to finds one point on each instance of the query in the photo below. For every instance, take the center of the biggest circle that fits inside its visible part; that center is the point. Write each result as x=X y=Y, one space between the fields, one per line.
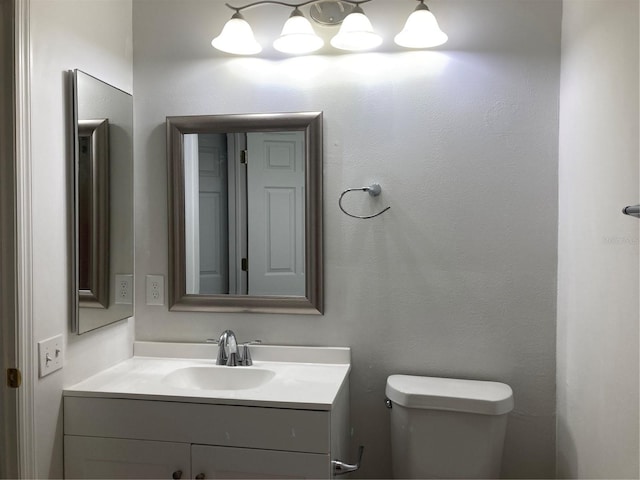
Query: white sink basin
x=307 y=378
x=218 y=378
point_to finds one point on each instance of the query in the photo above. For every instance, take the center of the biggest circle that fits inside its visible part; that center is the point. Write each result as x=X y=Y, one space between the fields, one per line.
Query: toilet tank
x=447 y=428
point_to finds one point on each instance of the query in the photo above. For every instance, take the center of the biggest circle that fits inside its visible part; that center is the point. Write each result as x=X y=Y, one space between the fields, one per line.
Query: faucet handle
x=241 y=344
x=247 y=361
x=233 y=361
x=245 y=353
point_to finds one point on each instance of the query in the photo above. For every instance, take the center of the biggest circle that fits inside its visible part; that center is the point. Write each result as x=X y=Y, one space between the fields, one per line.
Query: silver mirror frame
x=308 y=122
x=97 y=203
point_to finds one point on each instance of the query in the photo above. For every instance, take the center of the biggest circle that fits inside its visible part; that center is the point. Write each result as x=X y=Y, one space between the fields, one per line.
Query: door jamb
x=26 y=431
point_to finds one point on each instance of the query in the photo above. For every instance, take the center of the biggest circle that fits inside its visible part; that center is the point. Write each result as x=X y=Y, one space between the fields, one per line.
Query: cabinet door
x=245 y=463
x=95 y=457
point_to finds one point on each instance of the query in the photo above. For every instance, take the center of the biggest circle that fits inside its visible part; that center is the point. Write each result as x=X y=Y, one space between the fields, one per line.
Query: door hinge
x=244 y=157
x=245 y=265
x=14 y=378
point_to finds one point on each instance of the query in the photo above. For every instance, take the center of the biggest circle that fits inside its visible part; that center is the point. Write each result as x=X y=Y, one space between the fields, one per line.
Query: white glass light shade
x=356 y=33
x=297 y=36
x=421 y=30
x=237 y=38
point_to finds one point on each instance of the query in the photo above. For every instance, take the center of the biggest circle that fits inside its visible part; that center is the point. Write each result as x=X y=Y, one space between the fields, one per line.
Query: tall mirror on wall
x=102 y=200
x=245 y=215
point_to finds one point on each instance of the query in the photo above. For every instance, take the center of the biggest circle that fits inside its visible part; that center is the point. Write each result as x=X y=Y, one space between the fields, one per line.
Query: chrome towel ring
x=633 y=210
x=373 y=189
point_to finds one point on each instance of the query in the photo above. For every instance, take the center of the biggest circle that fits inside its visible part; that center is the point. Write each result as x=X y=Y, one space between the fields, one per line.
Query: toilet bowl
x=447 y=428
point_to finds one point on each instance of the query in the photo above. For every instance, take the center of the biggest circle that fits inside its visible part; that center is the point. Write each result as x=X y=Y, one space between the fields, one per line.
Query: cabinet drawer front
x=93 y=457
x=224 y=425
x=228 y=463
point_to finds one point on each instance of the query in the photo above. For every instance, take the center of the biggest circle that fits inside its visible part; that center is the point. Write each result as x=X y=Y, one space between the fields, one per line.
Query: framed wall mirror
x=102 y=203
x=245 y=213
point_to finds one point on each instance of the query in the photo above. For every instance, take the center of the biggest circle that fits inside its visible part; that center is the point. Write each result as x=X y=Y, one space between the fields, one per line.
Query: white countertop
x=306 y=378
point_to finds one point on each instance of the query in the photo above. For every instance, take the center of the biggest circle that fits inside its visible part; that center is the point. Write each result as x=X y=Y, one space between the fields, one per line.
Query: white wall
x=459 y=277
x=598 y=246
x=94 y=36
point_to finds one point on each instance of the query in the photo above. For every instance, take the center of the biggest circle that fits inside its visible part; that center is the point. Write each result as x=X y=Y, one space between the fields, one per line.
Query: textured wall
x=459 y=277
x=598 y=246
x=94 y=36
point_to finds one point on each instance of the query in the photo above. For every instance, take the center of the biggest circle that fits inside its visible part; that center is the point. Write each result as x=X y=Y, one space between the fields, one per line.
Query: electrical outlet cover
x=124 y=289
x=155 y=290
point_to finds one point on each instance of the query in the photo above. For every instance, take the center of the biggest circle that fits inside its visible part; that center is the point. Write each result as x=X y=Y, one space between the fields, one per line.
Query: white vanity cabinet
x=227 y=462
x=128 y=438
x=287 y=416
x=98 y=457
x=118 y=458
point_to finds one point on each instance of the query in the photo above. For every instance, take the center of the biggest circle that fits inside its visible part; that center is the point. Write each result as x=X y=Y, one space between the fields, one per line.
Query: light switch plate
x=50 y=355
x=155 y=290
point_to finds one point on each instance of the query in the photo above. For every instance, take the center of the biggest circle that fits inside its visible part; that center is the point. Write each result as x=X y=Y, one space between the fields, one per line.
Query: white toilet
x=447 y=428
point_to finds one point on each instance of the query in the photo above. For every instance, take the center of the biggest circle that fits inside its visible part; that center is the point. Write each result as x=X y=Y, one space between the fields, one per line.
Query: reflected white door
x=275 y=199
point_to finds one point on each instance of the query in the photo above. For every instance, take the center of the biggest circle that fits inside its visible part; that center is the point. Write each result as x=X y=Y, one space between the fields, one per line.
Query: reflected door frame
x=238 y=234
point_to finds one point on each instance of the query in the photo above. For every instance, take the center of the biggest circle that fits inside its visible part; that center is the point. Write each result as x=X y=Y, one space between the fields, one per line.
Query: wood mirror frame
x=308 y=122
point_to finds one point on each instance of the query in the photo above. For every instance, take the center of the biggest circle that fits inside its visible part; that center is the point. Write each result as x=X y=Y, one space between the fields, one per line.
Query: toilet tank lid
x=472 y=396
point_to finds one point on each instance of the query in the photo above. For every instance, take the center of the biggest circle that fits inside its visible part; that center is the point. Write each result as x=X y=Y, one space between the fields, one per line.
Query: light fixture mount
x=356 y=33
x=330 y=13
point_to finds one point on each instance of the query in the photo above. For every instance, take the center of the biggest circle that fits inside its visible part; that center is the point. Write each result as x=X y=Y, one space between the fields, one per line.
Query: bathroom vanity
x=170 y=412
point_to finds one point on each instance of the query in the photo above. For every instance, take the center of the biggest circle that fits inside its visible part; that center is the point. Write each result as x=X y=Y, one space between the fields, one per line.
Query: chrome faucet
x=227 y=349
x=232 y=354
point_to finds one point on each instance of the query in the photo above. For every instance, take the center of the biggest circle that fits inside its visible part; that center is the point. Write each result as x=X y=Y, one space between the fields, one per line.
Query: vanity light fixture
x=237 y=37
x=297 y=35
x=421 y=30
x=356 y=31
